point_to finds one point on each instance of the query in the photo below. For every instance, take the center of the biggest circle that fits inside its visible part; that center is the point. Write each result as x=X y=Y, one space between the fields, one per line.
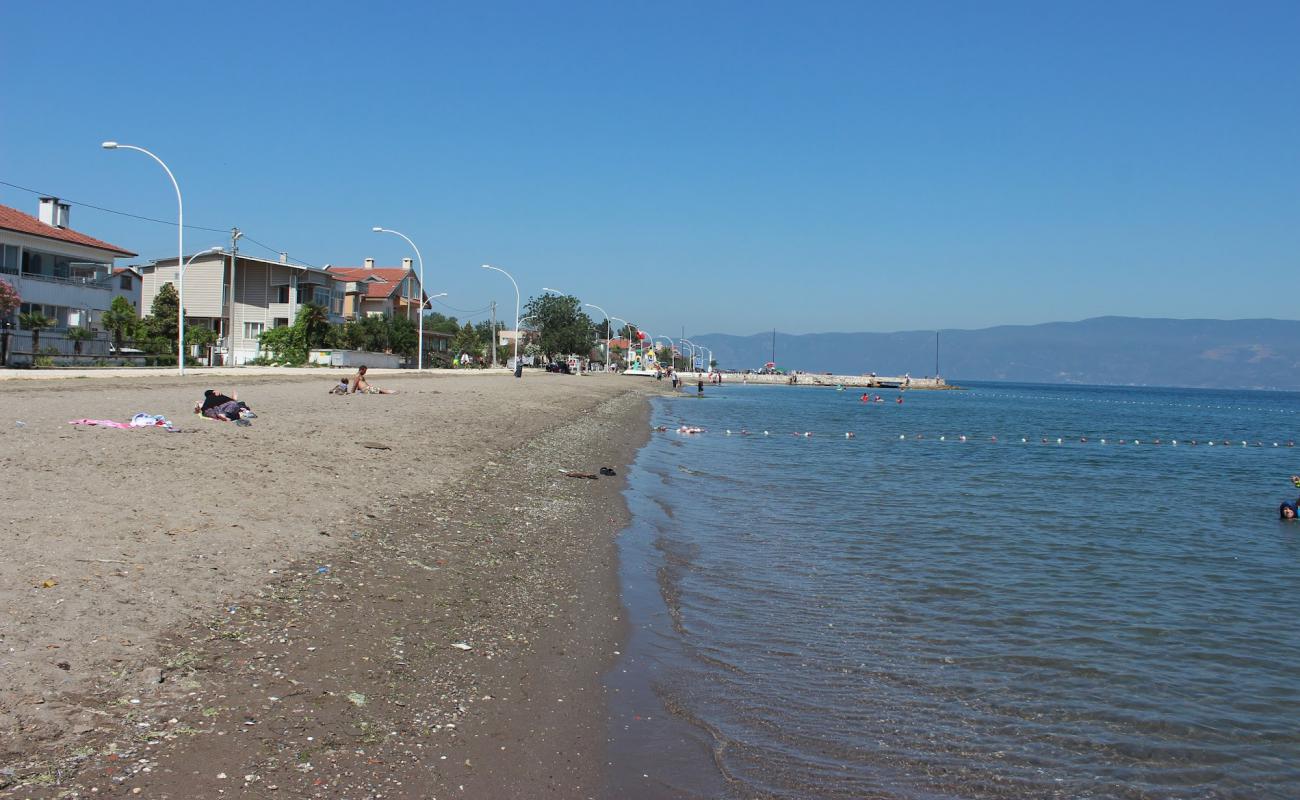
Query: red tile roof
x=390 y=279
x=11 y=219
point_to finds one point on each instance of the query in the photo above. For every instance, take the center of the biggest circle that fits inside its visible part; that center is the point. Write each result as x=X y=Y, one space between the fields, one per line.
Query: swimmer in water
x=1287 y=511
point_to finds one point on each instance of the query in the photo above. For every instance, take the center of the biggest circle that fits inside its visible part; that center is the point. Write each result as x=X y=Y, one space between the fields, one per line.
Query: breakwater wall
x=808 y=379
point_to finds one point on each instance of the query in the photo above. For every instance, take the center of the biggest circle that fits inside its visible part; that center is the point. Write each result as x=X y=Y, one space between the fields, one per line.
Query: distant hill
x=1130 y=351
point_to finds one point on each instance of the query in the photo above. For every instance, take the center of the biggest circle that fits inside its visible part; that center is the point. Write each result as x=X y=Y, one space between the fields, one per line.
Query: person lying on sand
x=222 y=407
x=360 y=384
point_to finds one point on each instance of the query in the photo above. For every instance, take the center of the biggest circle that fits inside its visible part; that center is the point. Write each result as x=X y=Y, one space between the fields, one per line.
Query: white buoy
x=941 y=438
x=1103 y=441
x=728 y=431
x=1023 y=440
x=901 y=436
x=1058 y=440
x=1135 y=441
x=764 y=433
x=1174 y=442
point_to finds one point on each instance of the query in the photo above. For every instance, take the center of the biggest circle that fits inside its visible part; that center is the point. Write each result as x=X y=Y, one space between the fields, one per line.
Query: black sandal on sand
x=607 y=471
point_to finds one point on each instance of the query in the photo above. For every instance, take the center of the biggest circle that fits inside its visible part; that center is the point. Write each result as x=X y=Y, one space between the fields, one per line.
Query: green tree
x=283 y=345
x=665 y=356
x=161 y=326
x=120 y=319
x=466 y=341
x=441 y=323
x=403 y=336
x=314 y=321
x=200 y=336
x=78 y=335
x=35 y=322
x=563 y=325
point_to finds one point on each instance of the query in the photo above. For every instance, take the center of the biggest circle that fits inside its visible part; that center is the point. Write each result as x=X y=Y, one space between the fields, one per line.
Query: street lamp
x=602 y=311
x=692 y=344
x=180 y=247
x=419 y=358
x=626 y=359
x=519 y=369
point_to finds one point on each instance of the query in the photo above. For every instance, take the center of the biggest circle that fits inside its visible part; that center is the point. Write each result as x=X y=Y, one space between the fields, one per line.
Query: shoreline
x=538 y=605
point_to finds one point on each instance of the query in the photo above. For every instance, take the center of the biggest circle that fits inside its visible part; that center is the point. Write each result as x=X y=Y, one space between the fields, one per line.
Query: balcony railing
x=91 y=283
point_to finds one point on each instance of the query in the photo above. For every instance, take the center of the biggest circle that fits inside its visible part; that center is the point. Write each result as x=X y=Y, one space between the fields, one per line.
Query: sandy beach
x=397 y=596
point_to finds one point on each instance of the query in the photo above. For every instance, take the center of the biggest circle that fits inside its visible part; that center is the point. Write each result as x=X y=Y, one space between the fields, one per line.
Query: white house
x=65 y=275
x=268 y=295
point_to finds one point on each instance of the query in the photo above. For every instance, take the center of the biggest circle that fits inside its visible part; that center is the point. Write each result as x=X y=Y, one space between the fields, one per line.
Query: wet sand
x=285 y=608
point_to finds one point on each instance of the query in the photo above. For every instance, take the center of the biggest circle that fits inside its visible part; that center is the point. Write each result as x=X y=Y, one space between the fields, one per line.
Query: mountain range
x=1127 y=351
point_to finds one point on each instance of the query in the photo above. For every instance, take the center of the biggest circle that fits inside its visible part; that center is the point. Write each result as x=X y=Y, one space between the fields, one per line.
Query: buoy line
x=961 y=438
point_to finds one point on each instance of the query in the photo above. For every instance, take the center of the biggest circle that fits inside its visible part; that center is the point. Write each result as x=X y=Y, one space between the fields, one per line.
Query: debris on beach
x=462 y=646
x=587 y=475
x=356 y=698
x=376 y=446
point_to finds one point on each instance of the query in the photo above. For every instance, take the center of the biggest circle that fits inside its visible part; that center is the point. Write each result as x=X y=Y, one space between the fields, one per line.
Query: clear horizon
x=733 y=167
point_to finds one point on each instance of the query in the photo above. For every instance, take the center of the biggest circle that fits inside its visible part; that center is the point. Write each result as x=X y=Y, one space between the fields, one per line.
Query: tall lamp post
x=692 y=344
x=606 y=314
x=626 y=359
x=180 y=247
x=519 y=368
x=419 y=359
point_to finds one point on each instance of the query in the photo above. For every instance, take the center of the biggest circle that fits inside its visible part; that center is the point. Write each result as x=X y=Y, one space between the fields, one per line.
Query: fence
x=57 y=347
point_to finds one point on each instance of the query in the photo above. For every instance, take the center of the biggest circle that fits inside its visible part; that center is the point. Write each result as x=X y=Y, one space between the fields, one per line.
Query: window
x=252 y=330
x=57 y=313
x=126 y=283
x=9 y=259
x=280 y=322
x=282 y=294
x=321 y=296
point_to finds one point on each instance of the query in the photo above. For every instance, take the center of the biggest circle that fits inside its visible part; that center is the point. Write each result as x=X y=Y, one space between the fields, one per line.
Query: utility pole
x=936 y=354
x=235 y=233
x=494 y=333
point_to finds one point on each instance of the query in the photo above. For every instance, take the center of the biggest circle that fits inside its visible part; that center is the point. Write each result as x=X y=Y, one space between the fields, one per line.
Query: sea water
x=1028 y=612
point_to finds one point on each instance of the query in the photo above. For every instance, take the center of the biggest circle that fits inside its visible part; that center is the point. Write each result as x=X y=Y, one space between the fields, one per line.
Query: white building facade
x=267 y=295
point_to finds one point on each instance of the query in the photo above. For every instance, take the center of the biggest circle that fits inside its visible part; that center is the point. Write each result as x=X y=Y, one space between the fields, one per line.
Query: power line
x=159 y=221
x=462 y=310
x=112 y=211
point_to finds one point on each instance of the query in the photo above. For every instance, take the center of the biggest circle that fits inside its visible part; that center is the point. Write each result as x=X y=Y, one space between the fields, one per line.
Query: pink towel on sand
x=103 y=423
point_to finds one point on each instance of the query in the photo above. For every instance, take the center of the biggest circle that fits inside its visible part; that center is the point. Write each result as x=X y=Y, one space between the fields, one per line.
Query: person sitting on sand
x=219 y=406
x=360 y=384
x=1287 y=511
x=341 y=387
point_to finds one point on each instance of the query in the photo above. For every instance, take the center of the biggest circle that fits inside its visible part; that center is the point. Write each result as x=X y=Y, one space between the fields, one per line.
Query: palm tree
x=78 y=335
x=35 y=321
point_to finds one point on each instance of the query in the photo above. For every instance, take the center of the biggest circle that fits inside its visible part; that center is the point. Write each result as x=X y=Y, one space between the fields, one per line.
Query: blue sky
x=717 y=166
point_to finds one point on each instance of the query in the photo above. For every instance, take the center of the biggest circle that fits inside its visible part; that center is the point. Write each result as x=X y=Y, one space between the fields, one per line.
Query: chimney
x=49 y=211
x=370 y=263
x=284 y=258
x=406 y=264
x=62 y=211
